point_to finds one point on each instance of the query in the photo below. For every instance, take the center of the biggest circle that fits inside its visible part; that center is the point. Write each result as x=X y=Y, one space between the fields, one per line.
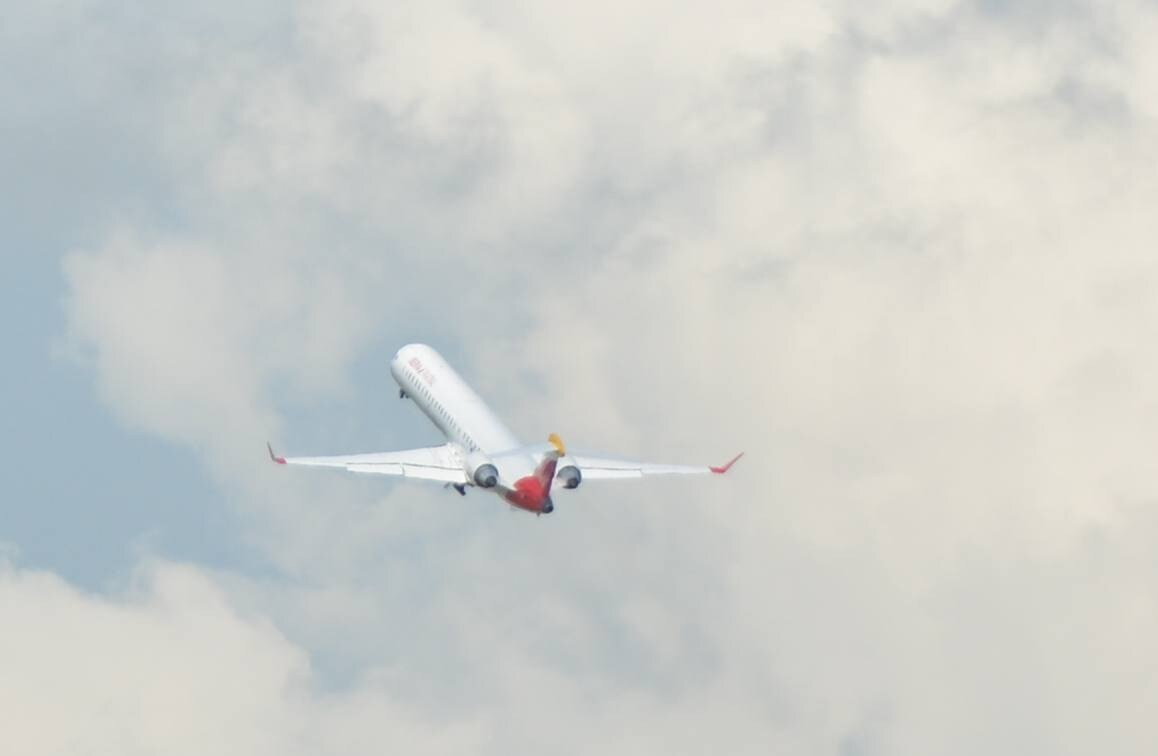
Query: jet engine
x=482 y=471
x=569 y=475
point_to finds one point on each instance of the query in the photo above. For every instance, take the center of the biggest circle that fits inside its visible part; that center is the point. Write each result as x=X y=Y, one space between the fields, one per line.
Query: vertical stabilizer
x=545 y=473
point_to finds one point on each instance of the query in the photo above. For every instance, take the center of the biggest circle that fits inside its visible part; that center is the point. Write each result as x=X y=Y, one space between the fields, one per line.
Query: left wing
x=440 y=463
x=598 y=468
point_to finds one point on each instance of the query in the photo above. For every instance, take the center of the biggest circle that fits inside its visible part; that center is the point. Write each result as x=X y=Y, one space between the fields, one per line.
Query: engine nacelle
x=482 y=471
x=569 y=476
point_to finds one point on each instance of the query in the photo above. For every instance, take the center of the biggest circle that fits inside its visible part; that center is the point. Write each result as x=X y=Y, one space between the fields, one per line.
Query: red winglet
x=724 y=468
x=274 y=457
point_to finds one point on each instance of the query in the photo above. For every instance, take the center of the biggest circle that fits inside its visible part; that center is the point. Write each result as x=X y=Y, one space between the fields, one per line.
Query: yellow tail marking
x=558 y=444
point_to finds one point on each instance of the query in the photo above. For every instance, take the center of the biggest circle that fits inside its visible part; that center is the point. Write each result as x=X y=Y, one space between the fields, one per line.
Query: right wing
x=598 y=468
x=433 y=463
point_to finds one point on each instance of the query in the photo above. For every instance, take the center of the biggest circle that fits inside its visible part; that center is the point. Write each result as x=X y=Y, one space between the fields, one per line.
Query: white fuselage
x=451 y=404
x=456 y=410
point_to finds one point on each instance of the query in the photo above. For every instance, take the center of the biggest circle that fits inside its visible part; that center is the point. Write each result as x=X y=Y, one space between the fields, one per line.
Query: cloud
x=170 y=666
x=903 y=258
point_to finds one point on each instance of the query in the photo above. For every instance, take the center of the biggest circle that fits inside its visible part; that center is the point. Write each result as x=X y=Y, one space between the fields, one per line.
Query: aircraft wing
x=439 y=463
x=600 y=468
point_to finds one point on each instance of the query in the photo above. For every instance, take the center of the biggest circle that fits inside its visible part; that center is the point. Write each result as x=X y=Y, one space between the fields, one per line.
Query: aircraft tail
x=545 y=473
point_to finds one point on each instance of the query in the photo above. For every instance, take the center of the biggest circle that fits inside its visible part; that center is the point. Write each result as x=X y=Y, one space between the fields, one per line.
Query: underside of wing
x=605 y=468
x=439 y=463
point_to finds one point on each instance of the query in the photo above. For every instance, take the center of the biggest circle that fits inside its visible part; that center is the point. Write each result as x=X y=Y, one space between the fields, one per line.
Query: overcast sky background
x=903 y=255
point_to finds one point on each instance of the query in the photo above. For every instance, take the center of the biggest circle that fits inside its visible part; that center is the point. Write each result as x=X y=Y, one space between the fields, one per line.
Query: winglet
x=724 y=468
x=558 y=444
x=274 y=457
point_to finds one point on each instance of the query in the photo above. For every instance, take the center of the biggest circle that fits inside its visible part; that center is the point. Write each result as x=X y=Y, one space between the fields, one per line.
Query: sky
x=900 y=254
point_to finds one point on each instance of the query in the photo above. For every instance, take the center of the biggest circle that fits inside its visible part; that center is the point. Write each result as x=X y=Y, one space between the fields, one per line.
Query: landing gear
x=402 y=394
x=460 y=488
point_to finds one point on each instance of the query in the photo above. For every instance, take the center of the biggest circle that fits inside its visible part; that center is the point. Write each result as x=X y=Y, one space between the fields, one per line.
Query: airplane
x=481 y=452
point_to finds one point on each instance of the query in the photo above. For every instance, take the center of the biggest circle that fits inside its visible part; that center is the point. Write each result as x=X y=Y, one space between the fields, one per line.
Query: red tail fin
x=545 y=473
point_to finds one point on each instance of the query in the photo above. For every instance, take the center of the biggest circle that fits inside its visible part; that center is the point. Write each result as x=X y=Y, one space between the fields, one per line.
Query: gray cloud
x=901 y=256
x=170 y=666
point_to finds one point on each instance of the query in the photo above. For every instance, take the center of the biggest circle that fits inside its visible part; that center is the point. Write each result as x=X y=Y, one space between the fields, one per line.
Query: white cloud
x=905 y=260
x=169 y=666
